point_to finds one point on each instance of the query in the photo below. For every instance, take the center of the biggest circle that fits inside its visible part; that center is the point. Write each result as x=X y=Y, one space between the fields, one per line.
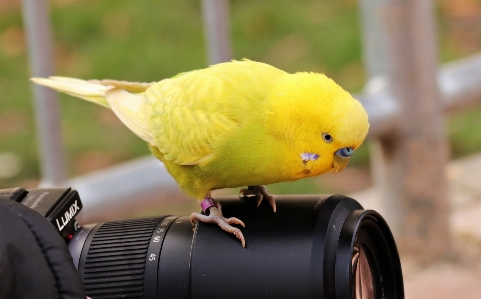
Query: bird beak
x=339 y=163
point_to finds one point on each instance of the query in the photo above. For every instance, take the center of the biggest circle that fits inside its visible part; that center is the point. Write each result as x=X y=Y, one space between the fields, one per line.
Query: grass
x=147 y=40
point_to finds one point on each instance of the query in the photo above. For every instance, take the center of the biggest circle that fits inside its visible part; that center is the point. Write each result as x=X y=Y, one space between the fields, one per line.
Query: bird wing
x=194 y=113
x=187 y=118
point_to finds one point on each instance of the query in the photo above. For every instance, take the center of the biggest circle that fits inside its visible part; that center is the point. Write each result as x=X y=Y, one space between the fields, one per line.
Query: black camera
x=58 y=205
x=314 y=246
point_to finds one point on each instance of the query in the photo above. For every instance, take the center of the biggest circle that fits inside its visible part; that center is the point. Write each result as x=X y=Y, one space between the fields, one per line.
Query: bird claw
x=260 y=193
x=215 y=216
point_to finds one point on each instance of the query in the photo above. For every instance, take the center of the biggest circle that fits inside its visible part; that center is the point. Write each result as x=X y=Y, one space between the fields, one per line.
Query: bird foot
x=260 y=193
x=213 y=213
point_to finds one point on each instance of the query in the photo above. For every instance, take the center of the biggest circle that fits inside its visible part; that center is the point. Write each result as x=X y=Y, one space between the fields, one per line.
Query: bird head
x=321 y=124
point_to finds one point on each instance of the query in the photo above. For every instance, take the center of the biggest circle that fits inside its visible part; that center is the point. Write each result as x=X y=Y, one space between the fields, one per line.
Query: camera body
x=314 y=246
x=57 y=205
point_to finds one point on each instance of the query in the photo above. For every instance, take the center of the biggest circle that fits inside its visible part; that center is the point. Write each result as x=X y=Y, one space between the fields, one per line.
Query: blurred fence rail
x=406 y=97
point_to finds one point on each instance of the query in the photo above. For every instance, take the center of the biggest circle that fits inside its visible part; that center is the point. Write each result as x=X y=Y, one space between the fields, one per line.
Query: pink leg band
x=207 y=203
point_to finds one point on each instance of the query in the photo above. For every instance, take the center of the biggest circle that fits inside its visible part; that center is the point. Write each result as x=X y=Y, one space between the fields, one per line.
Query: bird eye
x=327 y=137
x=345 y=152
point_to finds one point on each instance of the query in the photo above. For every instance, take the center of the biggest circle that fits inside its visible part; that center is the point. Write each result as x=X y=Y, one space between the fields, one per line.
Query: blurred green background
x=145 y=40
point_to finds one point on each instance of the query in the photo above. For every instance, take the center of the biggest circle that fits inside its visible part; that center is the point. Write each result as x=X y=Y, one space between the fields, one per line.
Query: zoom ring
x=115 y=264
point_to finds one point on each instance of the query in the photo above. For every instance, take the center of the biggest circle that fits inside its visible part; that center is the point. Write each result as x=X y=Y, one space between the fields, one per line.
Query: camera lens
x=362 y=273
x=312 y=247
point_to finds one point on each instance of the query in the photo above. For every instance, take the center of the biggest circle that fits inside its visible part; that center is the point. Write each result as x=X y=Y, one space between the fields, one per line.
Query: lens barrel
x=314 y=246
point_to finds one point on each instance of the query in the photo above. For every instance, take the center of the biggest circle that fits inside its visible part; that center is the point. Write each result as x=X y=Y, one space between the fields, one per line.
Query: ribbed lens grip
x=116 y=258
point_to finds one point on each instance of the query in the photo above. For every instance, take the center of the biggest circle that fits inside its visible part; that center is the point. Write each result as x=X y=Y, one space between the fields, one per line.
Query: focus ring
x=115 y=262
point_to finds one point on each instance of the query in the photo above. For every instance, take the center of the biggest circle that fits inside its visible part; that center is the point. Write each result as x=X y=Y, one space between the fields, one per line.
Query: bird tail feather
x=87 y=90
x=124 y=98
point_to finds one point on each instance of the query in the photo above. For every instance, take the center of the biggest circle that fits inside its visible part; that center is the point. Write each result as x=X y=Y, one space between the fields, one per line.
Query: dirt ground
x=443 y=281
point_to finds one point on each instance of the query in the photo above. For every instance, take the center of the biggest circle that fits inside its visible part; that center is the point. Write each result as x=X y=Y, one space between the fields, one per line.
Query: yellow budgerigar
x=240 y=123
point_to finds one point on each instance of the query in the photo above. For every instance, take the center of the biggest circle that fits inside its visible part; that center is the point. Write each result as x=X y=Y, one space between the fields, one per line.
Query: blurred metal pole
x=382 y=108
x=460 y=83
x=216 y=25
x=411 y=160
x=39 y=39
x=374 y=38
